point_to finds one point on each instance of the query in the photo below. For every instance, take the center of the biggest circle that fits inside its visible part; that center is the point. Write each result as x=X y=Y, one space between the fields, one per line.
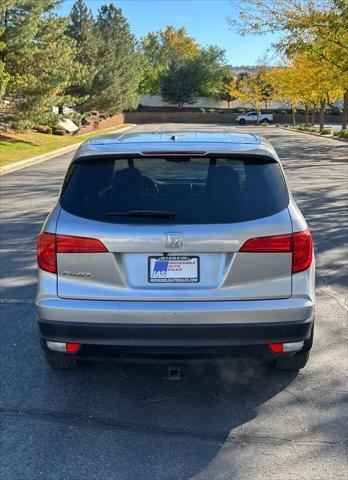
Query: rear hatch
x=172 y=227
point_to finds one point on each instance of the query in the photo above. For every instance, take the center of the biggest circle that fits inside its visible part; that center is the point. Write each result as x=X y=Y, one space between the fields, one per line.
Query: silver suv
x=168 y=245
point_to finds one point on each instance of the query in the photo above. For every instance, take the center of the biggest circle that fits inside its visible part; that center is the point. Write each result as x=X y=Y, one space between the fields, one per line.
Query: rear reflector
x=72 y=347
x=63 y=347
x=300 y=244
x=285 y=347
x=70 y=244
x=275 y=347
x=49 y=244
x=46 y=252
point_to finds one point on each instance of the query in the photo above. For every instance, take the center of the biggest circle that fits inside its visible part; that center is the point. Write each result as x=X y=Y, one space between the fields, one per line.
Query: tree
x=4 y=76
x=267 y=89
x=286 y=86
x=313 y=26
x=180 y=83
x=160 y=49
x=164 y=47
x=227 y=88
x=82 y=30
x=211 y=67
x=115 y=86
x=255 y=89
x=39 y=59
x=306 y=81
x=199 y=75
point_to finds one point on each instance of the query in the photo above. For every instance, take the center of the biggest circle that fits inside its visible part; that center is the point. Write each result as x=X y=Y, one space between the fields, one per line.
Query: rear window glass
x=174 y=190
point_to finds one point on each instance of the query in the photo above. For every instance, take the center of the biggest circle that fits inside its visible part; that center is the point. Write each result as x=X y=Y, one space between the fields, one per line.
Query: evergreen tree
x=4 y=76
x=82 y=30
x=115 y=86
x=39 y=59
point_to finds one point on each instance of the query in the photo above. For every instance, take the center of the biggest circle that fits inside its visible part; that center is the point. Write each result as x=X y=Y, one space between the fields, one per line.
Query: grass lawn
x=15 y=147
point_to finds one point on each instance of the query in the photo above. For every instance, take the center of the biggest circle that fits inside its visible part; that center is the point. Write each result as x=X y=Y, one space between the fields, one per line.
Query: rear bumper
x=200 y=328
x=189 y=342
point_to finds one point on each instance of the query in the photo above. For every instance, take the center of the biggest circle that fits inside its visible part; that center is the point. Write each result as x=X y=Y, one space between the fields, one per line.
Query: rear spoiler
x=105 y=157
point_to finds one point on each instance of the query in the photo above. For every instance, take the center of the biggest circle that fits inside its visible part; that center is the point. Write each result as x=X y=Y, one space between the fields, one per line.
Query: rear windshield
x=182 y=190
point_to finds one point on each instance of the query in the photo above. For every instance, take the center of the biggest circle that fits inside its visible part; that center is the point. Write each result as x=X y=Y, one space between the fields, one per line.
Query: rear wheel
x=59 y=361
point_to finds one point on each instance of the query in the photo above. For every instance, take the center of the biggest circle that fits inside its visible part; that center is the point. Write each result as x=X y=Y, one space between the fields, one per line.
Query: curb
x=315 y=134
x=13 y=167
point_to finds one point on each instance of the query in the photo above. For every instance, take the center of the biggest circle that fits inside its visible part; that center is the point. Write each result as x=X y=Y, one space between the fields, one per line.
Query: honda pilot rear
x=175 y=245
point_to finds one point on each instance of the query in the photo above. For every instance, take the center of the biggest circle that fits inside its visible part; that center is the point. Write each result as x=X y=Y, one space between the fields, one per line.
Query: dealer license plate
x=173 y=269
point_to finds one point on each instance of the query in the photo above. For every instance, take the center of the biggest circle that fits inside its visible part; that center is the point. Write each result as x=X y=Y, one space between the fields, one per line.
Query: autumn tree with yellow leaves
x=255 y=89
x=315 y=27
x=160 y=49
x=307 y=82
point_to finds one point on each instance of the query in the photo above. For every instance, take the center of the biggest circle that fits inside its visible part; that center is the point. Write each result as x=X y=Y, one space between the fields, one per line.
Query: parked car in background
x=255 y=117
x=185 y=246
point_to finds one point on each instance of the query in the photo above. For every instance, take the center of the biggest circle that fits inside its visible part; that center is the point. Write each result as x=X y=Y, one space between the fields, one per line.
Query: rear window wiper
x=143 y=213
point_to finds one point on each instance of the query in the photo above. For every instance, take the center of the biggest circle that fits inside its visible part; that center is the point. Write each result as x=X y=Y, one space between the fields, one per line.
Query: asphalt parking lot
x=132 y=422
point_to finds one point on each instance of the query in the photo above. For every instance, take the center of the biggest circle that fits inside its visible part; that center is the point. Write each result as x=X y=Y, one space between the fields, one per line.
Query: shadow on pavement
x=142 y=421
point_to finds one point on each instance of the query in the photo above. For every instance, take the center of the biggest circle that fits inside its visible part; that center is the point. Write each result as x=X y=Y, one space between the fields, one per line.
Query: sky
x=205 y=20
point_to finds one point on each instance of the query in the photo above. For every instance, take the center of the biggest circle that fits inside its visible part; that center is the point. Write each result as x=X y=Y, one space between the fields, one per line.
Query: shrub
x=325 y=131
x=306 y=128
x=342 y=133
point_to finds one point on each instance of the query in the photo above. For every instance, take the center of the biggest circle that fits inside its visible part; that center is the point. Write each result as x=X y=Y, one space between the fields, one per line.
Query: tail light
x=300 y=244
x=46 y=252
x=69 y=244
x=49 y=244
x=302 y=251
x=276 y=243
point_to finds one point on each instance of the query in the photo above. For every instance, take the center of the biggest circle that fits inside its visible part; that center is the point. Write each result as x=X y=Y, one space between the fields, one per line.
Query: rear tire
x=293 y=362
x=59 y=361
